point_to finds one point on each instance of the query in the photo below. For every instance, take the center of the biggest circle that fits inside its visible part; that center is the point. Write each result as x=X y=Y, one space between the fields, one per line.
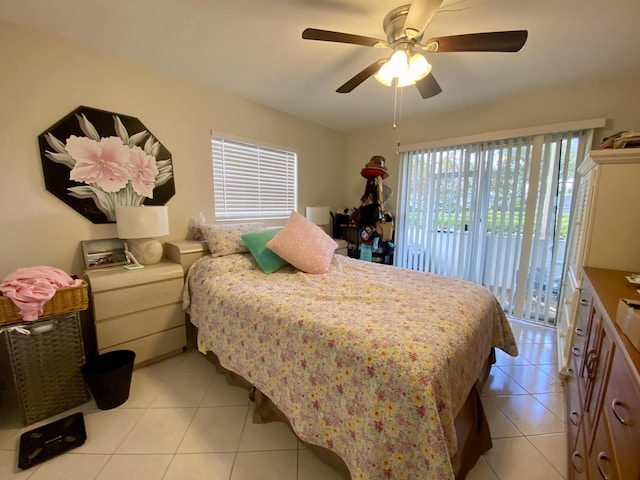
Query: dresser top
x=610 y=286
x=119 y=277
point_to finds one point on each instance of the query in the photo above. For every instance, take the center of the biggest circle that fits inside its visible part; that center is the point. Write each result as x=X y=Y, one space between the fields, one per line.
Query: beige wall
x=44 y=78
x=616 y=100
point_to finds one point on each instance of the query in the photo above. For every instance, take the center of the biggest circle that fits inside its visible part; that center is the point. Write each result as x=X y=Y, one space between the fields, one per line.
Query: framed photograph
x=108 y=252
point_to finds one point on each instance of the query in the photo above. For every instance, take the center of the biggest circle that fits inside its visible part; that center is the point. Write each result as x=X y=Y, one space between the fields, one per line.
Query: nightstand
x=185 y=252
x=343 y=247
x=139 y=310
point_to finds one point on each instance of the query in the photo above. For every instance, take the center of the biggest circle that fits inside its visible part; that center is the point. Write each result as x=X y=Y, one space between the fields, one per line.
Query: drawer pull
x=574 y=415
x=592 y=364
x=618 y=403
x=577 y=462
x=570 y=372
x=584 y=301
x=602 y=457
x=579 y=332
x=576 y=351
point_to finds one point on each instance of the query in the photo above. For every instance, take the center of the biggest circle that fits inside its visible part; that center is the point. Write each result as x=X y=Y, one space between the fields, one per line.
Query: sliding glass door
x=494 y=213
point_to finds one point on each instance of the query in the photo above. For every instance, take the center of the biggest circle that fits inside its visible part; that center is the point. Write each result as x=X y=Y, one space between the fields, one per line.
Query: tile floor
x=158 y=433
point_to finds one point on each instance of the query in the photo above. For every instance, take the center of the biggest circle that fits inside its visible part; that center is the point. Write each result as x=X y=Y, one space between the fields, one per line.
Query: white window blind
x=253 y=182
x=495 y=213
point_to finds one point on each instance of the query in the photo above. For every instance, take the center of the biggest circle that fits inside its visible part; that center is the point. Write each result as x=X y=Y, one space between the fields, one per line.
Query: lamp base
x=147 y=251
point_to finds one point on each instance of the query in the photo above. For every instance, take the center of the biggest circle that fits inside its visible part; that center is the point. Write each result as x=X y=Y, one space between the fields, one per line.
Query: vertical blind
x=495 y=213
x=253 y=181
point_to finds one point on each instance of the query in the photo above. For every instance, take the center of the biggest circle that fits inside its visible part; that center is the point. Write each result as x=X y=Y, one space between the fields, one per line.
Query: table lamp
x=136 y=225
x=321 y=216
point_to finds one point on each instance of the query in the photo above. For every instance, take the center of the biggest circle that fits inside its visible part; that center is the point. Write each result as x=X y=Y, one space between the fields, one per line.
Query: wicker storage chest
x=45 y=365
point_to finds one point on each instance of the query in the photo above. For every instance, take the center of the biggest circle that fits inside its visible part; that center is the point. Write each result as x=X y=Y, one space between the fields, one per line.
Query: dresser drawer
x=581 y=326
x=153 y=346
x=578 y=459
x=602 y=461
x=115 y=330
x=622 y=408
x=114 y=303
x=578 y=349
x=573 y=401
x=596 y=369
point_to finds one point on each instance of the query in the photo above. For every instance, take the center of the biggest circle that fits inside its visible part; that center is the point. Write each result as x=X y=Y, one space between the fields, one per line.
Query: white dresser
x=605 y=231
x=139 y=310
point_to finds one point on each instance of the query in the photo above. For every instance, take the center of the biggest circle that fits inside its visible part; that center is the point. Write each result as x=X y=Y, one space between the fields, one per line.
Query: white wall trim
x=503 y=134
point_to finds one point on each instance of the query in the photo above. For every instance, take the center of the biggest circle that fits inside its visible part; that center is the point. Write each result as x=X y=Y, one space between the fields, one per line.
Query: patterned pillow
x=304 y=245
x=226 y=239
x=268 y=261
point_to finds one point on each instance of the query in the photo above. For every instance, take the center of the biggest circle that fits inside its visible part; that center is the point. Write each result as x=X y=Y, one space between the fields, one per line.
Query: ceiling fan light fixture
x=392 y=68
x=399 y=61
x=404 y=28
x=418 y=67
x=405 y=80
x=385 y=75
x=406 y=70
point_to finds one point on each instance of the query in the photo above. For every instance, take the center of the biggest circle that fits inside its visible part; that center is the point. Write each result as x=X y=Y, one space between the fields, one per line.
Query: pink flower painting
x=143 y=172
x=104 y=163
x=114 y=170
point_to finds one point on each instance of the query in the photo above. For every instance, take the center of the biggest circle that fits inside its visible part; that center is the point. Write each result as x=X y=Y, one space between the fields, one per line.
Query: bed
x=376 y=366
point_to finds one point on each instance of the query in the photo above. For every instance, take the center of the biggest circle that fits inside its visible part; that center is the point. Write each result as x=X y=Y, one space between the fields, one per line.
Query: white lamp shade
x=319 y=215
x=142 y=222
x=418 y=67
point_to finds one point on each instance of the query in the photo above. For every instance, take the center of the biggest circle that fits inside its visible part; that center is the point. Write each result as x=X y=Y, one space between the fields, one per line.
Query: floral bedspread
x=370 y=361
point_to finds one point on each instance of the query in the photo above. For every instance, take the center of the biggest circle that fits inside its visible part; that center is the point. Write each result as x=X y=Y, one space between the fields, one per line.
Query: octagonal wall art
x=94 y=161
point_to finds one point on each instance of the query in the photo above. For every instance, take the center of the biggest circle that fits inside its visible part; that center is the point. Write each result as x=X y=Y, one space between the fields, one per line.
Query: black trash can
x=109 y=377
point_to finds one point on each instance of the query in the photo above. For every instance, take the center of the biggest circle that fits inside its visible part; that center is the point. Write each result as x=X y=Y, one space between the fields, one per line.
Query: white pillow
x=304 y=245
x=226 y=239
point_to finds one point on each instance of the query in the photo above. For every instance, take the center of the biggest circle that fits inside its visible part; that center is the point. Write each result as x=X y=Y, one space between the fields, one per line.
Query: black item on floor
x=109 y=377
x=51 y=440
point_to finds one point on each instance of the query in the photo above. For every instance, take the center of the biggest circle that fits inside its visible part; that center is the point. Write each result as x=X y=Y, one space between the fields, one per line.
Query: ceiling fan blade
x=356 y=80
x=511 y=41
x=428 y=86
x=329 y=36
x=420 y=14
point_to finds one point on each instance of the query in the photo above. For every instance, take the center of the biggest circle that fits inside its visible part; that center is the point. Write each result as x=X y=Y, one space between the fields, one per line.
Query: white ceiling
x=254 y=48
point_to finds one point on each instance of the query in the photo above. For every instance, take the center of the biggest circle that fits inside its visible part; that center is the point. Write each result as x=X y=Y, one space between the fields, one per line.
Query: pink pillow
x=304 y=245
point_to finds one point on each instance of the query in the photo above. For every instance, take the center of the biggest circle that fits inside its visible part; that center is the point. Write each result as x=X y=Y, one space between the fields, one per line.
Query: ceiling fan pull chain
x=400 y=104
x=395 y=105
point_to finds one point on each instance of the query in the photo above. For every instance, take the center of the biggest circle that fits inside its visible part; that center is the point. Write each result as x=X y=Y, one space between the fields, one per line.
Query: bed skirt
x=472 y=429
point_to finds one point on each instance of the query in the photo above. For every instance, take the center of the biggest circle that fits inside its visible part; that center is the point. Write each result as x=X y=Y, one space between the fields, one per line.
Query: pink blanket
x=31 y=287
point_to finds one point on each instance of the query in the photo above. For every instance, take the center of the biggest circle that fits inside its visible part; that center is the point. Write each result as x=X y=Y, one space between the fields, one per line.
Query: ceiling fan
x=404 y=27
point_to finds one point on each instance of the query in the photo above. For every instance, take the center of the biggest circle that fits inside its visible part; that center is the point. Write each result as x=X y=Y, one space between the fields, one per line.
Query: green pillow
x=268 y=261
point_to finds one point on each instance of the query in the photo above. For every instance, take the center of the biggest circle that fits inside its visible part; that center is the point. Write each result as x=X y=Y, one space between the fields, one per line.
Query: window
x=253 y=182
x=495 y=213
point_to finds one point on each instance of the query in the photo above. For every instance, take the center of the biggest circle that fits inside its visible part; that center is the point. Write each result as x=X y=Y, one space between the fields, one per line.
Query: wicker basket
x=46 y=366
x=66 y=300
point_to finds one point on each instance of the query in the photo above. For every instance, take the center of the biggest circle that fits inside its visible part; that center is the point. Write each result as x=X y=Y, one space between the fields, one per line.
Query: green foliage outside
x=497 y=223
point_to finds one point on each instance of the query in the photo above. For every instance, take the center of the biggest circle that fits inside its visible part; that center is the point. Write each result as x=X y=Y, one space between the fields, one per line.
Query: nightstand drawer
x=113 y=303
x=139 y=310
x=115 y=330
x=153 y=346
